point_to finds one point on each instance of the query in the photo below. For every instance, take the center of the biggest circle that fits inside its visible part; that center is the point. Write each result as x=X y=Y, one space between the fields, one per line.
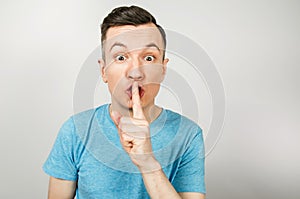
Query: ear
x=165 y=62
x=103 y=73
x=164 y=69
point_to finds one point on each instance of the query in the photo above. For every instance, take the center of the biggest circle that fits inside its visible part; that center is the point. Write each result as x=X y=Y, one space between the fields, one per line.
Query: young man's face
x=133 y=53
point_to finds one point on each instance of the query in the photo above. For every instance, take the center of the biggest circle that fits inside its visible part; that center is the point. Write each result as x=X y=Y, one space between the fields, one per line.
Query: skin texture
x=133 y=70
x=140 y=63
x=61 y=189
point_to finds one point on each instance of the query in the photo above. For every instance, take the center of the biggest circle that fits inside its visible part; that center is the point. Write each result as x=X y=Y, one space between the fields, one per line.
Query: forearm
x=158 y=185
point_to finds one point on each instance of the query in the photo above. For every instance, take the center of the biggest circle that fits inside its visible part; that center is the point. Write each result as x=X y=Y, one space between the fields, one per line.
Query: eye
x=149 y=58
x=120 y=58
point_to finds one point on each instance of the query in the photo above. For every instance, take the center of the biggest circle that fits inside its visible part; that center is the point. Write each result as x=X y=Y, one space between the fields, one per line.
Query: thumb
x=116 y=116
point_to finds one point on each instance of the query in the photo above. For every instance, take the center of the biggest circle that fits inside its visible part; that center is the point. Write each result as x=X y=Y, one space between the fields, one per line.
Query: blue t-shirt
x=88 y=150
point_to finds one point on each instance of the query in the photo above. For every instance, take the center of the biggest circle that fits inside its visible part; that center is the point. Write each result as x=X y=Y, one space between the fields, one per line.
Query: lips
x=129 y=91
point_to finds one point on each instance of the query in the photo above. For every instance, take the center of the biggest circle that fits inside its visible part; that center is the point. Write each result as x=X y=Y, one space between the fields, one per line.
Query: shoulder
x=88 y=114
x=86 y=117
x=182 y=122
x=80 y=121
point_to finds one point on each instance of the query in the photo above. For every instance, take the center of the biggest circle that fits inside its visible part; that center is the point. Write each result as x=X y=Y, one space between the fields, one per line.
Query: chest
x=98 y=179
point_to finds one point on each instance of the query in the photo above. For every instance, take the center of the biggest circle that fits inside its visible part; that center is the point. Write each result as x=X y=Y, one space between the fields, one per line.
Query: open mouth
x=141 y=92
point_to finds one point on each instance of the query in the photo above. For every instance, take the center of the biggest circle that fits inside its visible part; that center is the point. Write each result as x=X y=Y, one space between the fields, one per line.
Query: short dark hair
x=132 y=15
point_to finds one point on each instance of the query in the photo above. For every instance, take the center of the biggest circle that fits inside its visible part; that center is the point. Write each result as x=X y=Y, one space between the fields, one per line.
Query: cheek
x=113 y=85
x=152 y=89
x=116 y=83
x=114 y=76
x=154 y=74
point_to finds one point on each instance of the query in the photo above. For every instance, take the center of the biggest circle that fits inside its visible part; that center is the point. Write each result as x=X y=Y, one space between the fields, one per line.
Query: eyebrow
x=153 y=45
x=118 y=44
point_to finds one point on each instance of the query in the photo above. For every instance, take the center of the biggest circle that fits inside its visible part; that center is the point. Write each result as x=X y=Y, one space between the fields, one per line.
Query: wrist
x=150 y=165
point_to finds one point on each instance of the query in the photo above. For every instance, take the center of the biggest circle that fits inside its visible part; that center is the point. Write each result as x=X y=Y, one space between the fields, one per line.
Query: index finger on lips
x=136 y=102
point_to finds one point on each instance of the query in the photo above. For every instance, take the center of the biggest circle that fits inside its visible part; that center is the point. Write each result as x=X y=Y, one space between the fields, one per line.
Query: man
x=130 y=148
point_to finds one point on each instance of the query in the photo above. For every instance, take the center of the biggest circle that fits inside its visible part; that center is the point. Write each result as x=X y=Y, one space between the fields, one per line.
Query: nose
x=135 y=71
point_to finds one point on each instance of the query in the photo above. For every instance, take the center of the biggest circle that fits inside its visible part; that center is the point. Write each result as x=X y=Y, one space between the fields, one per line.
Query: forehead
x=133 y=37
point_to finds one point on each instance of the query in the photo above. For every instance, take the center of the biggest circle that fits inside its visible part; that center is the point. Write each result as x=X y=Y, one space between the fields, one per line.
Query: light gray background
x=254 y=44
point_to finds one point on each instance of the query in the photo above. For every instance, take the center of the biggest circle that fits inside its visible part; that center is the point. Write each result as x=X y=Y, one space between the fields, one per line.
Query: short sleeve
x=60 y=163
x=190 y=173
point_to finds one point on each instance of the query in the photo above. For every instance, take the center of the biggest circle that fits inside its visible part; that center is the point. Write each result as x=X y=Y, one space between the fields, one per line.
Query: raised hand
x=134 y=135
